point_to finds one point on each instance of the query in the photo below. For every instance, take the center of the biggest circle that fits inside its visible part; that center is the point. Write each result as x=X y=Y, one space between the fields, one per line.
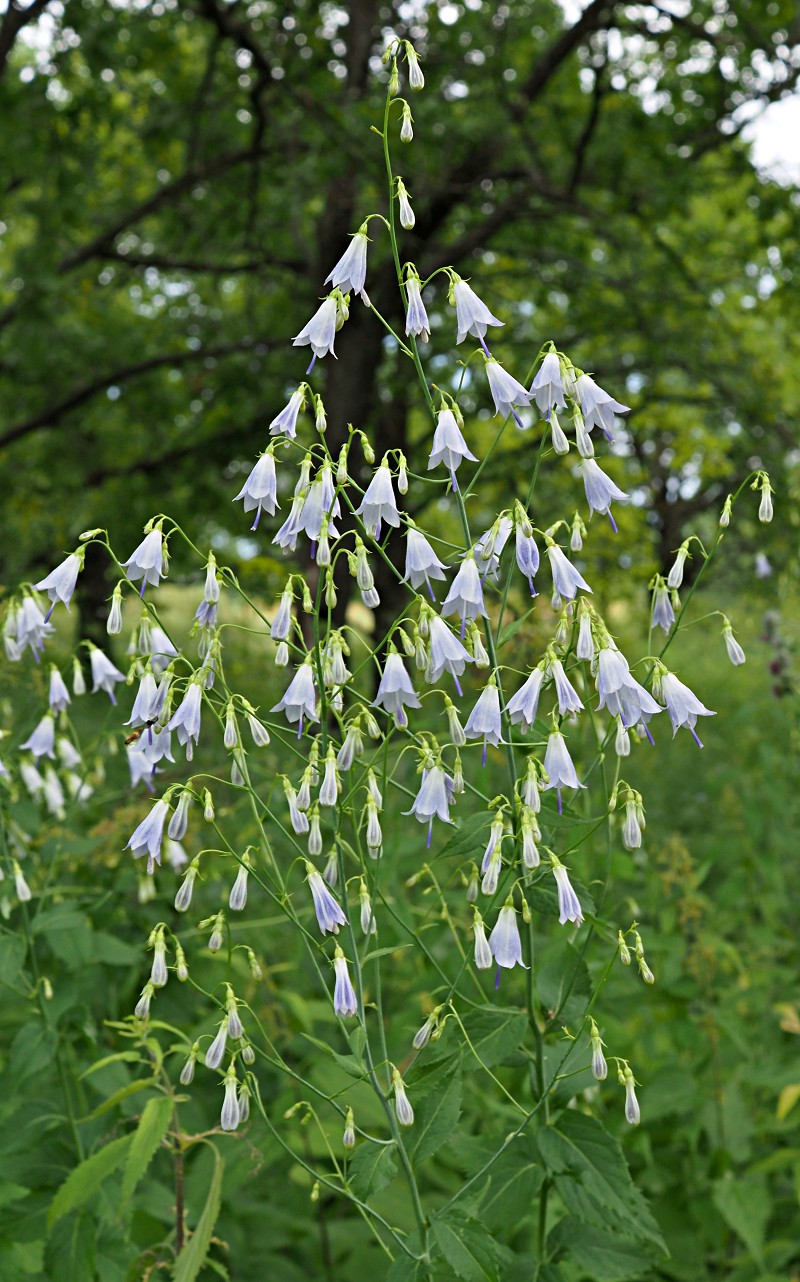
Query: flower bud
x=114 y=621
x=349 y=1135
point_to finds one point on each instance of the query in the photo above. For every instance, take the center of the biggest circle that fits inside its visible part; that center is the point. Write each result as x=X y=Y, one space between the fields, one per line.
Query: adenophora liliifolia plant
x=379 y=742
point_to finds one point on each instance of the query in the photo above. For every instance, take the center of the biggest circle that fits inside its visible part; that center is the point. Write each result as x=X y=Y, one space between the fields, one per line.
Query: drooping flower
x=569 y=907
x=447 y=654
x=379 y=503
x=415 y=77
x=60 y=582
x=504 y=940
x=285 y=423
x=527 y=554
x=484 y=720
x=597 y=406
x=559 y=766
x=522 y=706
x=402 y=1104
x=407 y=218
x=489 y=548
x=41 y=743
x=422 y=563
x=350 y=273
x=229 y=1117
x=449 y=446
x=147 y=838
x=104 y=675
x=32 y=629
x=434 y=797
x=417 y=322
x=320 y=331
x=186 y=718
x=601 y=491
x=345 y=1002
x=396 y=691
x=507 y=392
x=483 y=952
x=632 y=1113
x=465 y=597
x=329 y=915
x=472 y=315
x=58 y=694
x=566 y=579
x=148 y=561
x=547 y=387
x=300 y=699
x=735 y=652
x=260 y=489
x=683 y=705
x=568 y=697
x=663 y=615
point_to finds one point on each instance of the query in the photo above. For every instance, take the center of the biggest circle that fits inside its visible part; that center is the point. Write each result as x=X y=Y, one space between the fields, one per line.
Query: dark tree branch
x=164 y=263
x=52 y=414
x=14 y=19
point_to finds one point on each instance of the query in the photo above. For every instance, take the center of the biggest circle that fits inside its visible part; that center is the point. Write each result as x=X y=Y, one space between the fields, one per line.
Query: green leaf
x=599 y=1252
x=12 y=956
x=372 y=1167
x=70 y=1250
x=130 y=1088
x=130 y=1057
x=592 y=1177
x=494 y=1035
x=744 y=1204
x=404 y=1269
x=152 y=1128
x=384 y=952
x=467 y=1247
x=86 y=1179
x=513 y=1182
x=191 y=1259
x=33 y=1048
x=346 y=1062
x=511 y=629
x=437 y=1117
x=470 y=834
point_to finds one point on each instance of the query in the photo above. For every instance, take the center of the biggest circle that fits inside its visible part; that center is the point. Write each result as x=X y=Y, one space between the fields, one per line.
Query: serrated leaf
x=404 y=1269
x=513 y=1182
x=744 y=1204
x=12 y=956
x=70 y=1250
x=437 y=1117
x=130 y=1088
x=467 y=1247
x=348 y=1063
x=87 y=1178
x=192 y=1257
x=153 y=1126
x=592 y=1175
x=494 y=1036
x=603 y=1255
x=470 y=834
x=372 y=1167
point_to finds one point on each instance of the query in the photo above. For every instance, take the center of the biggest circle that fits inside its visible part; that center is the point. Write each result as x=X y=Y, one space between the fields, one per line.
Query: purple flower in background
x=329 y=915
x=345 y=1002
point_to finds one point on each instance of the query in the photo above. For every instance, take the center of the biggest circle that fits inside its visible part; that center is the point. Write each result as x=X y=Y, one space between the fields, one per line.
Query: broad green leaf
x=467 y=1246
x=592 y=1176
x=470 y=835
x=601 y=1254
x=152 y=1128
x=12 y=956
x=513 y=1182
x=348 y=1063
x=87 y=1178
x=404 y=1269
x=192 y=1257
x=124 y=1092
x=130 y=1057
x=562 y=981
x=33 y=1049
x=372 y=1167
x=437 y=1117
x=494 y=1036
x=70 y=1250
x=744 y=1204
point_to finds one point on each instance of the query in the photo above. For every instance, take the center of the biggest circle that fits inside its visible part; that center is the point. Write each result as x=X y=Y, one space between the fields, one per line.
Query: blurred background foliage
x=177 y=180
